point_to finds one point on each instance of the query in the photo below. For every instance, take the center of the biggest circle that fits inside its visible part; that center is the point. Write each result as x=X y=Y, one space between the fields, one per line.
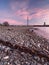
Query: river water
x=43 y=31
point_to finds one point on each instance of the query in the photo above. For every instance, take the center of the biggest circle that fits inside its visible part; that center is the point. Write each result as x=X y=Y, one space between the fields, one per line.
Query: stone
x=6 y=57
x=42 y=59
x=1 y=63
x=39 y=44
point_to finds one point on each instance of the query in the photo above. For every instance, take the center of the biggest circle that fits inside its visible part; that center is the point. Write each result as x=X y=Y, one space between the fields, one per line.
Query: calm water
x=43 y=31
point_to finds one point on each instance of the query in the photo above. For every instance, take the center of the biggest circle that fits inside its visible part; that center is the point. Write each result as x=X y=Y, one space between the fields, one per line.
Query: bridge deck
x=40 y=25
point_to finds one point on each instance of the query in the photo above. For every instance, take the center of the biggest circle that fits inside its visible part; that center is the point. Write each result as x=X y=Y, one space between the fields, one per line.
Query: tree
x=6 y=23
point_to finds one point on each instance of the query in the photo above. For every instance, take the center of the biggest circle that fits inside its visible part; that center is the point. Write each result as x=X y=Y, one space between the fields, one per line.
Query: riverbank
x=23 y=37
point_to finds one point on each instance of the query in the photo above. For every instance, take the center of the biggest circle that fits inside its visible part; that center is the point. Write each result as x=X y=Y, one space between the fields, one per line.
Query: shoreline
x=42 y=33
x=25 y=40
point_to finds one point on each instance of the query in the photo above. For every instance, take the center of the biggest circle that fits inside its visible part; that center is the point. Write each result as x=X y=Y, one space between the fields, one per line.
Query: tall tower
x=44 y=23
x=27 y=21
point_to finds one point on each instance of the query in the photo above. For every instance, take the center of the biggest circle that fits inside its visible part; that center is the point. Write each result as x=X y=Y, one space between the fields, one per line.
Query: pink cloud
x=19 y=9
x=11 y=22
x=23 y=13
x=39 y=13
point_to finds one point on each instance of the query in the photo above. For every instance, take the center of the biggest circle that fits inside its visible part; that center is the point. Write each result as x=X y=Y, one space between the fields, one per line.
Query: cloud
x=11 y=22
x=18 y=4
x=30 y=8
x=20 y=9
x=37 y=3
x=41 y=13
x=22 y=13
x=35 y=13
x=30 y=4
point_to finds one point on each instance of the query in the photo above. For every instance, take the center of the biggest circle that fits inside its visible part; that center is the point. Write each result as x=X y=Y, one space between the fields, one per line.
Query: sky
x=15 y=12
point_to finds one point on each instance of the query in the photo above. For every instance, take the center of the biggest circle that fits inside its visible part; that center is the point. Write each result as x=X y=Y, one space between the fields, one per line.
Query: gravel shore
x=24 y=38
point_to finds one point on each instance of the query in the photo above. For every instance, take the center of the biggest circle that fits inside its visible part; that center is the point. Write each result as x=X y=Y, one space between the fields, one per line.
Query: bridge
x=33 y=25
x=40 y=25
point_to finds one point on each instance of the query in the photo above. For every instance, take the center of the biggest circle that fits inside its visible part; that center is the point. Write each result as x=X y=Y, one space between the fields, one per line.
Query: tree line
x=5 y=23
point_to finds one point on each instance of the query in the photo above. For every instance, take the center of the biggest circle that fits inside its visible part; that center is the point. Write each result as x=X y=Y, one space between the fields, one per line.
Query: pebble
x=39 y=44
x=16 y=57
x=6 y=57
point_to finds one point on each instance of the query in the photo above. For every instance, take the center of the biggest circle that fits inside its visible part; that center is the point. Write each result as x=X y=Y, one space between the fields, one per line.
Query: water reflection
x=43 y=31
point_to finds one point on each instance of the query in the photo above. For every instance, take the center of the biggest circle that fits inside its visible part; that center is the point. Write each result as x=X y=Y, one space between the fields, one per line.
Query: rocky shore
x=20 y=46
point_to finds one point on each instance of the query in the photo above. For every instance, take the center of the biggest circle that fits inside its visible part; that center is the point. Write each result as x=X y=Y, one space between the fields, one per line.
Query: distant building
x=44 y=23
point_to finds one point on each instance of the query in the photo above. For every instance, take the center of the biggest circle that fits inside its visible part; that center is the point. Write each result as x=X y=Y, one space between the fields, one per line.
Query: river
x=43 y=31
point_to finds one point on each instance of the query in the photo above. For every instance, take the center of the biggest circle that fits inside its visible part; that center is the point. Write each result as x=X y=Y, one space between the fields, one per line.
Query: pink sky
x=10 y=21
x=16 y=11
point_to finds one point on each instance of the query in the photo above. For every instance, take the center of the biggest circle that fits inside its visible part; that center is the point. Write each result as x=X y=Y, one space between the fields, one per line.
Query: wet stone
x=45 y=64
x=1 y=63
x=39 y=64
x=6 y=57
x=42 y=59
